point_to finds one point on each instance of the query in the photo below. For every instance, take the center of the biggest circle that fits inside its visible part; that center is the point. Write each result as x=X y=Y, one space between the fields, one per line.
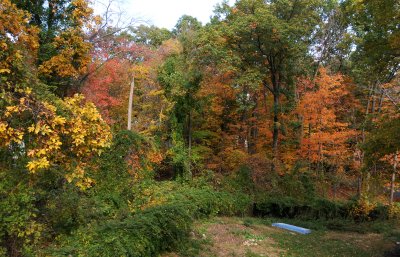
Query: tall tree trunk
x=265 y=99
x=309 y=146
x=253 y=129
x=275 y=90
x=276 y=93
x=320 y=159
x=380 y=101
x=190 y=144
x=368 y=182
x=275 y=135
x=300 y=118
x=360 y=177
x=395 y=161
x=370 y=94
x=373 y=99
x=50 y=20
x=335 y=189
x=359 y=186
x=131 y=103
x=276 y=123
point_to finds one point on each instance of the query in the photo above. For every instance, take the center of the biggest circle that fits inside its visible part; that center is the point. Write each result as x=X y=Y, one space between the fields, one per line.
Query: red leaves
x=107 y=87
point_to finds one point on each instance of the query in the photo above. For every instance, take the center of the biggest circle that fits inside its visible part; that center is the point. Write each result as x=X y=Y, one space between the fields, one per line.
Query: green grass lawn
x=329 y=244
x=252 y=237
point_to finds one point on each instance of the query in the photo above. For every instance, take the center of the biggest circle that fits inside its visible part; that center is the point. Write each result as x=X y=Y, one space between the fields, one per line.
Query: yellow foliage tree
x=67 y=133
x=18 y=40
x=72 y=47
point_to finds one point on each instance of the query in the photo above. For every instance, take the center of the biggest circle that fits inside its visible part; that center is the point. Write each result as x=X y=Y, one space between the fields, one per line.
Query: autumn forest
x=117 y=137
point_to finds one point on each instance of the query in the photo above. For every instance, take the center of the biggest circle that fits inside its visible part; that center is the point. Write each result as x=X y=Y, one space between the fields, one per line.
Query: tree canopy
x=272 y=104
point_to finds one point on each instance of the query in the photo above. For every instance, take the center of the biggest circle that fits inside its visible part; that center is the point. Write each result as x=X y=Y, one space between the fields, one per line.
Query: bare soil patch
x=230 y=238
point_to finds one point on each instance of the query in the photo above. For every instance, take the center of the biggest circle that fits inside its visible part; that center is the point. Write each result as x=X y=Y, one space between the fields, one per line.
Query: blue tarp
x=300 y=230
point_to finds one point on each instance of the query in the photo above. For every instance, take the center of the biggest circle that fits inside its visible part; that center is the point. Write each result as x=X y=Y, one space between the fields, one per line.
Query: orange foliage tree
x=326 y=134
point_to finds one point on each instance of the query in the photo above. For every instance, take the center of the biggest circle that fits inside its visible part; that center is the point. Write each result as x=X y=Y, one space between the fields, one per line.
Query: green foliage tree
x=180 y=85
x=63 y=53
x=383 y=144
x=150 y=35
x=271 y=40
x=375 y=24
x=186 y=24
x=374 y=62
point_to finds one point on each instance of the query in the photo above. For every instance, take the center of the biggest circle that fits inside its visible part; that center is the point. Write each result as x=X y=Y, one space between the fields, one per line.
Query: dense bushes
x=121 y=216
x=318 y=208
x=205 y=199
x=145 y=234
x=207 y=202
x=163 y=225
x=161 y=217
x=18 y=223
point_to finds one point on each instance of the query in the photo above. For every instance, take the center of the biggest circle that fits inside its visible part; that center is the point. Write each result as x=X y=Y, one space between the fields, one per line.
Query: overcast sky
x=165 y=13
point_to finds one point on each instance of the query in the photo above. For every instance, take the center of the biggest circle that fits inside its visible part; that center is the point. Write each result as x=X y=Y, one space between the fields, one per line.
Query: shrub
x=155 y=226
x=204 y=200
x=240 y=181
x=147 y=233
x=394 y=211
x=20 y=226
x=361 y=209
x=208 y=202
x=326 y=209
x=318 y=208
x=285 y=207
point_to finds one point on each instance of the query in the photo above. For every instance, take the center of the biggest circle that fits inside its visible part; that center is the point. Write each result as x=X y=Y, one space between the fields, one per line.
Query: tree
x=333 y=41
x=327 y=135
x=186 y=24
x=18 y=44
x=180 y=86
x=180 y=80
x=271 y=40
x=383 y=144
x=107 y=89
x=374 y=62
x=63 y=46
x=108 y=82
x=45 y=141
x=150 y=35
x=375 y=25
x=52 y=138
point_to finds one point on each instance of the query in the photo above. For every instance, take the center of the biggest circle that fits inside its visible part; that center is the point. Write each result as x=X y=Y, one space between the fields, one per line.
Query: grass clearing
x=254 y=237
